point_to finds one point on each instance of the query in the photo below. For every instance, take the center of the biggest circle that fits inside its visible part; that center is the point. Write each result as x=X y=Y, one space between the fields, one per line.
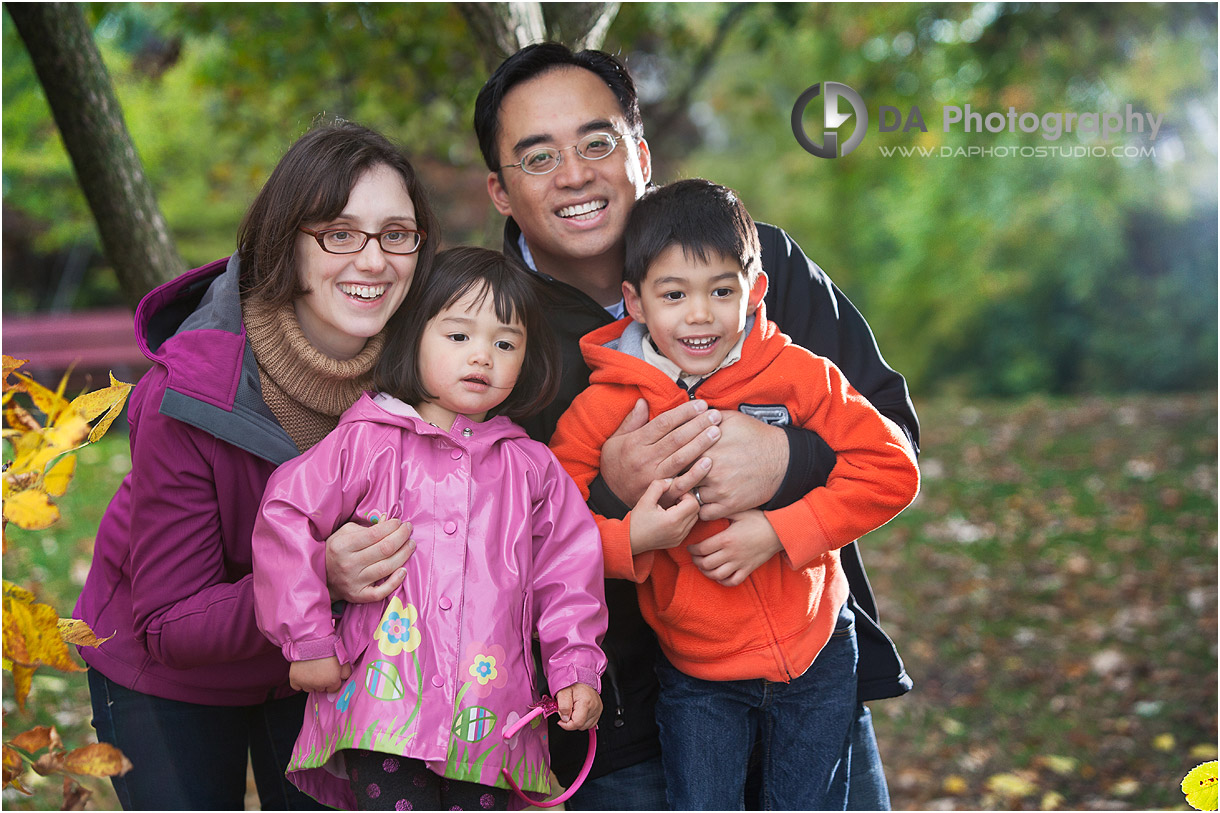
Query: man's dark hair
x=311 y=184
x=702 y=217
x=535 y=60
x=456 y=272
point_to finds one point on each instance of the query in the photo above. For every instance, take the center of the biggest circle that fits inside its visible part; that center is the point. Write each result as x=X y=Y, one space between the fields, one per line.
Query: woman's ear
x=757 y=292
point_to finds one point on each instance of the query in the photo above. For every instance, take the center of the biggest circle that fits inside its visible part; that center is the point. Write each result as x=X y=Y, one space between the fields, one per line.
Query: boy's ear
x=631 y=298
x=757 y=292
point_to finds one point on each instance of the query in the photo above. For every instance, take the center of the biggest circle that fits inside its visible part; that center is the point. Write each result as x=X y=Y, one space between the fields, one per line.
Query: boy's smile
x=695 y=310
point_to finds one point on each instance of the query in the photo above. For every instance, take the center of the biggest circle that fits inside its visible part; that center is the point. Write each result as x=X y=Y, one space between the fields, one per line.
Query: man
x=566 y=221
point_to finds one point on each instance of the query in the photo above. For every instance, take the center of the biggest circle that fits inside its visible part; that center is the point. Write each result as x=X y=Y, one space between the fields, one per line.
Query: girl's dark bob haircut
x=454 y=273
x=311 y=185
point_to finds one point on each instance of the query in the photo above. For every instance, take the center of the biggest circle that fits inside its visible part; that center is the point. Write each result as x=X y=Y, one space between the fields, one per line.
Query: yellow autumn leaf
x=76 y=796
x=1125 y=787
x=1164 y=742
x=98 y=759
x=12 y=365
x=30 y=509
x=1010 y=785
x=1203 y=750
x=23 y=678
x=1200 y=786
x=15 y=592
x=1052 y=800
x=109 y=401
x=14 y=767
x=955 y=785
x=69 y=431
x=75 y=631
x=1060 y=765
x=49 y=402
x=56 y=480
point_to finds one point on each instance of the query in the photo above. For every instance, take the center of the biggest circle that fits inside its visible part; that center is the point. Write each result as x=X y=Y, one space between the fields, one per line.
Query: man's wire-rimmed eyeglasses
x=543 y=160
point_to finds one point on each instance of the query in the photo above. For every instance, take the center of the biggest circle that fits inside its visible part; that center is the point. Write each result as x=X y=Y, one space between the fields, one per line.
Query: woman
x=256 y=357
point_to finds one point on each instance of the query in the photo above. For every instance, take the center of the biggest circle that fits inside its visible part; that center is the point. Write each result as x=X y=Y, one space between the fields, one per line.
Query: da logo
x=382 y=681
x=832 y=119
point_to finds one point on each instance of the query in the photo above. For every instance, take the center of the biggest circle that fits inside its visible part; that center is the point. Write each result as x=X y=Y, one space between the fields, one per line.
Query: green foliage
x=981 y=275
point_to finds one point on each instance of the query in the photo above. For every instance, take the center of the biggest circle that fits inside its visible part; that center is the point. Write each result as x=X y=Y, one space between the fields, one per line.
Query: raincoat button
x=456 y=454
x=445 y=603
x=450 y=527
x=438 y=681
x=467 y=432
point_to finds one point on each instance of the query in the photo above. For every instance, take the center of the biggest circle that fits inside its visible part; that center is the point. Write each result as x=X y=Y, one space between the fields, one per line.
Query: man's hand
x=358 y=557
x=319 y=675
x=579 y=707
x=748 y=466
x=653 y=527
x=737 y=551
x=671 y=445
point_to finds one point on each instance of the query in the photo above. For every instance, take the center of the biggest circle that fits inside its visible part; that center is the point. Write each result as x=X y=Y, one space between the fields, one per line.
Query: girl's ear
x=631 y=298
x=757 y=292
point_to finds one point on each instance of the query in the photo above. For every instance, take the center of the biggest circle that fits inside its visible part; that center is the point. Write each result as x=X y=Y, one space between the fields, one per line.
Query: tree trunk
x=503 y=28
x=134 y=235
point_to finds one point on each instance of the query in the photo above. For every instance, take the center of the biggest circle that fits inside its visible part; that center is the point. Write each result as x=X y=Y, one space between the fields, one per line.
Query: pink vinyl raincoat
x=505 y=548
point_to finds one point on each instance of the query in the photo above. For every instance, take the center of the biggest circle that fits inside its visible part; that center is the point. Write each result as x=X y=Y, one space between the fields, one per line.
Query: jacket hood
x=614 y=356
x=387 y=410
x=192 y=327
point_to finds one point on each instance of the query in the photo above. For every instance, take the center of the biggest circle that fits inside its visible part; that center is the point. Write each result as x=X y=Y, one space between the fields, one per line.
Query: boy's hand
x=733 y=554
x=365 y=564
x=579 y=707
x=655 y=528
x=319 y=675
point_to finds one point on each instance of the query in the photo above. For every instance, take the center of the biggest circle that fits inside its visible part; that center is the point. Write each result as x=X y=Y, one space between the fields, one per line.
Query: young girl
x=409 y=697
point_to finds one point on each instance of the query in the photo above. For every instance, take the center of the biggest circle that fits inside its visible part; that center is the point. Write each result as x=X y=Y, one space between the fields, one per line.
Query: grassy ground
x=1053 y=592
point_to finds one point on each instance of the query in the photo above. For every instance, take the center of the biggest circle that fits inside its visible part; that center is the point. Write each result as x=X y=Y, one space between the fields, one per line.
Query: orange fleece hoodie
x=774 y=624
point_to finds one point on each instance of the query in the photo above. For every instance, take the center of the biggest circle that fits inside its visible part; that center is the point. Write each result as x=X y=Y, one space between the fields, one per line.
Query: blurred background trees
x=979 y=275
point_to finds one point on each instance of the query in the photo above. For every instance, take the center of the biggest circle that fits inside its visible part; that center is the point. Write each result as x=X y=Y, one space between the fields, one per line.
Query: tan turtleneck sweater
x=306 y=390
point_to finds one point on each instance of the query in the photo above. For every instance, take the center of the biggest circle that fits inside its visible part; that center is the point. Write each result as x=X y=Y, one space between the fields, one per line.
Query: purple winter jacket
x=506 y=548
x=171 y=575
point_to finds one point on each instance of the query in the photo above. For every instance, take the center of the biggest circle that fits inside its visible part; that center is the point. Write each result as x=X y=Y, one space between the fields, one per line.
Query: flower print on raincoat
x=398 y=631
x=486 y=667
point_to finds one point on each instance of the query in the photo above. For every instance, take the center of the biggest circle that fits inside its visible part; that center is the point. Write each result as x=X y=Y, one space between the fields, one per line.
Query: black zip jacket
x=806 y=305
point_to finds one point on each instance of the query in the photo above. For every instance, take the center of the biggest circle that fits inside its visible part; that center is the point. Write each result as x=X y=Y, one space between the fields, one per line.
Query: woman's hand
x=319 y=675
x=579 y=707
x=364 y=564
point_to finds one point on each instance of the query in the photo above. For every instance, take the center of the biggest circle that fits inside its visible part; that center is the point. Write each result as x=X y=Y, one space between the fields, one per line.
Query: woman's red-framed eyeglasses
x=544 y=707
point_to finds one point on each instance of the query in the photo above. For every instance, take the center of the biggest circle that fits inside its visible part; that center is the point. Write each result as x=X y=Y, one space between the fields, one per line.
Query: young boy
x=758 y=642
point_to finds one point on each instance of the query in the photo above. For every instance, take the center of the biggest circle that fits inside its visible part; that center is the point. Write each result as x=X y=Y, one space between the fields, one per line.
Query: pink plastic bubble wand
x=544 y=707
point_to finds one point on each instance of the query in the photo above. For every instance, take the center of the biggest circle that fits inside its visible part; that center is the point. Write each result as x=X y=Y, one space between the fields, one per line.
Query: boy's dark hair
x=454 y=273
x=311 y=184
x=535 y=60
x=702 y=217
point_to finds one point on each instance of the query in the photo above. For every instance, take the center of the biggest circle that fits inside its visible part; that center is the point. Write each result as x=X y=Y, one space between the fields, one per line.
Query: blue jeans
x=803 y=729
x=188 y=756
x=867 y=789
x=637 y=787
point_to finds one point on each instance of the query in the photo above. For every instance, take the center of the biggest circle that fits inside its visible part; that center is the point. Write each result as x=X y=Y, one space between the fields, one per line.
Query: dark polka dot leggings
x=386 y=782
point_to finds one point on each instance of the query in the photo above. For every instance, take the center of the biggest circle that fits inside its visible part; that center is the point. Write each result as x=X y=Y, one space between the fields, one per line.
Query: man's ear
x=498 y=194
x=645 y=160
x=757 y=292
x=631 y=298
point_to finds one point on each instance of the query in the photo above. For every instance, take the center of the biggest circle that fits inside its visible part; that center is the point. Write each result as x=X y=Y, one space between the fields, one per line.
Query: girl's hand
x=579 y=707
x=655 y=528
x=319 y=675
